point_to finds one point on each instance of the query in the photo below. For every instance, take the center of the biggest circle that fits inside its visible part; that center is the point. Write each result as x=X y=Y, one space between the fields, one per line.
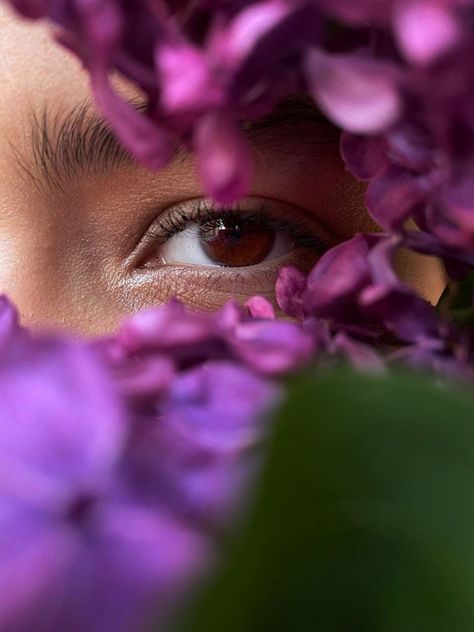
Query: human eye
x=208 y=253
x=233 y=237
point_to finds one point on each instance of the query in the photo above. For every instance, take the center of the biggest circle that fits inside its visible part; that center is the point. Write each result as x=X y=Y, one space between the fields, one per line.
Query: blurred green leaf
x=457 y=301
x=364 y=517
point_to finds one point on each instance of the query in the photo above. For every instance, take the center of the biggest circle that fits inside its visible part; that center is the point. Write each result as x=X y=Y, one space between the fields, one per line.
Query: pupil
x=236 y=242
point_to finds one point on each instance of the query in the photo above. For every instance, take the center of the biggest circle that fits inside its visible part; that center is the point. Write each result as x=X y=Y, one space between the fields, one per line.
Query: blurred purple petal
x=214 y=417
x=69 y=446
x=339 y=275
x=143 y=137
x=361 y=356
x=260 y=307
x=365 y=156
x=359 y=94
x=223 y=157
x=425 y=29
x=9 y=325
x=289 y=290
x=187 y=81
x=164 y=327
x=394 y=195
x=272 y=347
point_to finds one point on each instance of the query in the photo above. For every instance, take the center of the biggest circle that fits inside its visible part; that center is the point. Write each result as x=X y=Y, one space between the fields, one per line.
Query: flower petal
x=359 y=94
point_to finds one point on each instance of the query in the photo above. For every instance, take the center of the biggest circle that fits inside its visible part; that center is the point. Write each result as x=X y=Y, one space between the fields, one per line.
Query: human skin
x=68 y=244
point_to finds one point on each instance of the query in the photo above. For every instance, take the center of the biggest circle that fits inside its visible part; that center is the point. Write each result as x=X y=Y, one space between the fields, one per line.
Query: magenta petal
x=410 y=145
x=338 y=276
x=361 y=356
x=359 y=94
x=103 y=21
x=358 y=12
x=394 y=195
x=272 y=347
x=142 y=137
x=259 y=307
x=58 y=396
x=403 y=312
x=164 y=327
x=32 y=9
x=223 y=157
x=289 y=289
x=186 y=80
x=425 y=29
x=248 y=28
x=129 y=571
x=365 y=156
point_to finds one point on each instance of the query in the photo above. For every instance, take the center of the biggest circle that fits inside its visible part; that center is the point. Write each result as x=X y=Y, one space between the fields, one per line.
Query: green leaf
x=364 y=518
x=457 y=301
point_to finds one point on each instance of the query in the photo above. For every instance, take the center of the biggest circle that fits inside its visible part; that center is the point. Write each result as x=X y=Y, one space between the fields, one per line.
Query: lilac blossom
x=131 y=452
x=78 y=549
x=118 y=463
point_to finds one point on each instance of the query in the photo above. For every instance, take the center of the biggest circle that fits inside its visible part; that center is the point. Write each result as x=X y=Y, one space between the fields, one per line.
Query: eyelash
x=167 y=226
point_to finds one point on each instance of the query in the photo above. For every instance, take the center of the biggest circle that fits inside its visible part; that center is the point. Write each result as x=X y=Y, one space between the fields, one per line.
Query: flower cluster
x=122 y=458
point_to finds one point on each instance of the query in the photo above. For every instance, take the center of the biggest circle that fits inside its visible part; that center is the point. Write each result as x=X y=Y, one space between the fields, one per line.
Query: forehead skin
x=61 y=255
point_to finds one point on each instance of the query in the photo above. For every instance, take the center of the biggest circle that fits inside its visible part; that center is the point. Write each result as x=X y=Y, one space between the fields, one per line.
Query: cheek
x=54 y=281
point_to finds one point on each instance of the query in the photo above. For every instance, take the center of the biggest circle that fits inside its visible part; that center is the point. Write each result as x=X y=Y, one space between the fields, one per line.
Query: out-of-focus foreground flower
x=122 y=458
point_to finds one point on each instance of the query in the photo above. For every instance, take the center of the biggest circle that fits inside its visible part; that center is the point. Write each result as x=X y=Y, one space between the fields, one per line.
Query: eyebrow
x=66 y=143
x=70 y=142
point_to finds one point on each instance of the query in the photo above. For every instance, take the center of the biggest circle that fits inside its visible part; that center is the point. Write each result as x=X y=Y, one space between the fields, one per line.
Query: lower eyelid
x=188 y=278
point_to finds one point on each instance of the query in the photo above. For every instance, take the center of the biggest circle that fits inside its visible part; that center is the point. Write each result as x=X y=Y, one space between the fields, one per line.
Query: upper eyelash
x=168 y=226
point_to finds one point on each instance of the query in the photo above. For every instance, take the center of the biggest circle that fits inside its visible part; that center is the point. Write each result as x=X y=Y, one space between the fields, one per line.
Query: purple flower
x=359 y=94
x=260 y=307
x=426 y=29
x=289 y=290
x=78 y=549
x=223 y=157
x=210 y=424
x=355 y=288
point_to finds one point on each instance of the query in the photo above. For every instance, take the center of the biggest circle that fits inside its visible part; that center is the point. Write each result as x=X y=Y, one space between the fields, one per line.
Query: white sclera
x=186 y=247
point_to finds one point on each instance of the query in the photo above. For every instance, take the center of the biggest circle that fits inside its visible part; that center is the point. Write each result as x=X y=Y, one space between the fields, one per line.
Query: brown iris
x=236 y=241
